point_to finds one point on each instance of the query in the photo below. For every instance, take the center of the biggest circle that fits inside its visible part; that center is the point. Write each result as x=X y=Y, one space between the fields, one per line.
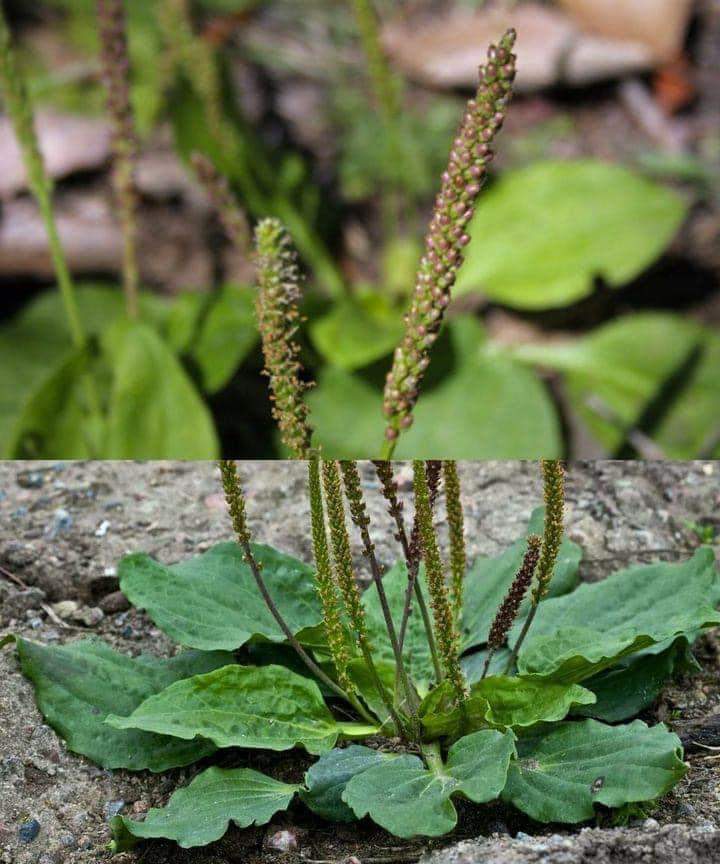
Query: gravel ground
x=63 y=528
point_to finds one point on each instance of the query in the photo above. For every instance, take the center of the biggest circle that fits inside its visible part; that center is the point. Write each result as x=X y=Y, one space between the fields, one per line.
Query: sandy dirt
x=64 y=527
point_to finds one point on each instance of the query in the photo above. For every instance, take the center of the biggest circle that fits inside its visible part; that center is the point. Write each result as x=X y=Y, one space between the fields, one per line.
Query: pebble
x=61 y=524
x=283 y=841
x=112 y=808
x=651 y=825
x=90 y=616
x=65 y=608
x=115 y=602
x=68 y=840
x=140 y=807
x=28 y=831
x=102 y=528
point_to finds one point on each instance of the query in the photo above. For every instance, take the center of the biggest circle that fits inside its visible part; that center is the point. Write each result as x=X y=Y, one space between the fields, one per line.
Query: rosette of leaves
x=535 y=733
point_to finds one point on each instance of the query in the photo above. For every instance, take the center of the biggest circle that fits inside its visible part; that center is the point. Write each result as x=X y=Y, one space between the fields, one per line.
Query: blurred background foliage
x=585 y=320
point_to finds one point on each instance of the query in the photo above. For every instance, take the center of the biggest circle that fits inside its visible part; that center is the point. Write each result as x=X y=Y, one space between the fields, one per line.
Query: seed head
x=278 y=320
x=507 y=613
x=554 y=486
x=447 y=235
x=234 y=221
x=235 y=500
x=445 y=631
x=325 y=584
x=456 y=529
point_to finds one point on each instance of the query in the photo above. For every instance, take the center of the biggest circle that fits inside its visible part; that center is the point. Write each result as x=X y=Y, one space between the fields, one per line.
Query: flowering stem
x=442 y=612
x=115 y=64
x=447 y=236
x=458 y=557
x=278 y=318
x=554 y=493
x=345 y=577
x=19 y=107
x=358 y=513
x=412 y=562
x=236 y=507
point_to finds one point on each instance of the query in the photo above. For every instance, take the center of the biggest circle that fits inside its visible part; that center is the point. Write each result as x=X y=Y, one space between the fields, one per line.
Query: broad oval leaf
x=326 y=780
x=563 y=771
x=409 y=800
x=543 y=234
x=79 y=684
x=227 y=335
x=212 y=601
x=498 y=410
x=501 y=702
x=635 y=683
x=488 y=580
x=266 y=707
x=358 y=330
x=200 y=813
x=155 y=410
x=579 y=635
x=634 y=366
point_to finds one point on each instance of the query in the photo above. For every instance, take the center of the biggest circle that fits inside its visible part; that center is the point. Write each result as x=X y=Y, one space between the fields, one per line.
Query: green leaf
x=227 y=335
x=474 y=664
x=563 y=771
x=488 y=580
x=635 y=683
x=266 y=707
x=327 y=778
x=579 y=635
x=543 y=234
x=497 y=409
x=408 y=800
x=500 y=702
x=417 y=653
x=79 y=684
x=652 y=371
x=358 y=330
x=363 y=680
x=200 y=813
x=212 y=600
x=155 y=410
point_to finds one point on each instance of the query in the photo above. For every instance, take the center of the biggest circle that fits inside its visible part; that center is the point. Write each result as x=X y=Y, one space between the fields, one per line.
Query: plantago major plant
x=525 y=693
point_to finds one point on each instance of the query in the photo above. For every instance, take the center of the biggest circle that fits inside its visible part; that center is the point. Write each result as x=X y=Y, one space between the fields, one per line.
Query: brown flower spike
x=447 y=235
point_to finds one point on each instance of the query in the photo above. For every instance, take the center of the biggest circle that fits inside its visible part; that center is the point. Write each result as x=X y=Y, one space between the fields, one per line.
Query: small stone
x=283 y=841
x=90 y=616
x=28 y=831
x=115 y=602
x=102 y=528
x=68 y=840
x=139 y=807
x=65 y=608
x=30 y=479
x=61 y=524
x=651 y=825
x=112 y=808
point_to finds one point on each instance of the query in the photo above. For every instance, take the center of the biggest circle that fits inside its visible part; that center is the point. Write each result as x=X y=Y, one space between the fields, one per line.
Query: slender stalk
x=447 y=636
x=19 y=108
x=115 y=64
x=554 y=494
x=345 y=578
x=412 y=562
x=236 y=507
x=358 y=513
x=232 y=217
x=387 y=95
x=456 y=527
x=325 y=584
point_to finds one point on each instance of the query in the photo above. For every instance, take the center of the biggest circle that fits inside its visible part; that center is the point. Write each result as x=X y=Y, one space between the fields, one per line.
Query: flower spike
x=278 y=319
x=447 y=235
